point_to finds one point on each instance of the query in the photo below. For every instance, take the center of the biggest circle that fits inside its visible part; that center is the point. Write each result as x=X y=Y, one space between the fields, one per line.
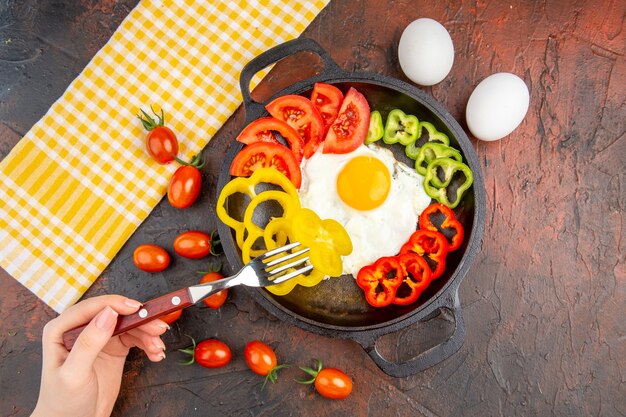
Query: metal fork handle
x=200 y=291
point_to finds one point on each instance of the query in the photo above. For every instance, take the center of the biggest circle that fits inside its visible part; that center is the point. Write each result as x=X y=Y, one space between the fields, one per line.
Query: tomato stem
x=148 y=122
x=273 y=374
x=310 y=371
x=189 y=351
x=215 y=243
x=213 y=267
x=196 y=161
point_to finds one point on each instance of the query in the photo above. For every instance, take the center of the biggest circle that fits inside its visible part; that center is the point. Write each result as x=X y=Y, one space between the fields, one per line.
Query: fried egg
x=375 y=198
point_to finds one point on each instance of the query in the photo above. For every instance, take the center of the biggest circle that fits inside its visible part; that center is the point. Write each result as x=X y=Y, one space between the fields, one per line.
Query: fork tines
x=275 y=266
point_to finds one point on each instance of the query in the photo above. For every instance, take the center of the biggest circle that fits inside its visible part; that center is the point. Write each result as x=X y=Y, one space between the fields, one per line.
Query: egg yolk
x=364 y=183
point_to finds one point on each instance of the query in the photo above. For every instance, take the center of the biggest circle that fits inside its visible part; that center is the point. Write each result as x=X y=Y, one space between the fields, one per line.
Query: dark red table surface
x=544 y=302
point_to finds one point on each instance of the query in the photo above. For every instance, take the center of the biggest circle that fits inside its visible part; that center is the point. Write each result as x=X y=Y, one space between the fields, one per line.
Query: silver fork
x=262 y=271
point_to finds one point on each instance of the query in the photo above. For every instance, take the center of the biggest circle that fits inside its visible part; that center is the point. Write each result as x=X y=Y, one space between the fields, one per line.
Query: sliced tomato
x=349 y=130
x=264 y=155
x=262 y=130
x=327 y=98
x=300 y=113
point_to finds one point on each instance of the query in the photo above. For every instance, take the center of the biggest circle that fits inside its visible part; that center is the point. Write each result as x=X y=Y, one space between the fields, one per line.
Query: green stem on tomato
x=189 y=351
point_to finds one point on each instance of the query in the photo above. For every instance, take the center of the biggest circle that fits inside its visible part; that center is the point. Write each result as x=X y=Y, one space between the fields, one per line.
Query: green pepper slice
x=431 y=151
x=376 y=129
x=437 y=188
x=401 y=127
x=434 y=135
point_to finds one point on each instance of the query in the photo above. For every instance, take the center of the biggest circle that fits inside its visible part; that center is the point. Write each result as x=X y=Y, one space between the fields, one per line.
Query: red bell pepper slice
x=380 y=281
x=449 y=222
x=417 y=277
x=432 y=245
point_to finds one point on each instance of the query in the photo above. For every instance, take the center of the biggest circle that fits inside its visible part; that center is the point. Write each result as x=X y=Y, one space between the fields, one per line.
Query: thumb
x=91 y=341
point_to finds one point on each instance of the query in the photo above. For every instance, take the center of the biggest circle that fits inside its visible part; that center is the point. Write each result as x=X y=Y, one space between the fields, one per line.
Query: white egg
x=497 y=106
x=377 y=232
x=426 y=52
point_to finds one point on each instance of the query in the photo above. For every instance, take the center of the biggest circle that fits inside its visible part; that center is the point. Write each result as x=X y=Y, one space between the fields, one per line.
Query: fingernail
x=161 y=355
x=132 y=303
x=158 y=343
x=163 y=325
x=106 y=318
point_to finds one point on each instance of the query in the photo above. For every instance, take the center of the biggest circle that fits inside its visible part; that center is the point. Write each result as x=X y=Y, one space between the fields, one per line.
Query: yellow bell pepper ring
x=281 y=229
x=287 y=202
x=247 y=186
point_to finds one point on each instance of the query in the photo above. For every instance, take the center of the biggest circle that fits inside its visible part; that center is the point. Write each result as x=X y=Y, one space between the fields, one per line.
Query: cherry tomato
x=172 y=317
x=193 y=244
x=184 y=187
x=300 y=113
x=161 y=142
x=151 y=258
x=260 y=358
x=210 y=353
x=329 y=382
x=327 y=98
x=349 y=130
x=333 y=383
x=216 y=300
x=266 y=154
x=262 y=130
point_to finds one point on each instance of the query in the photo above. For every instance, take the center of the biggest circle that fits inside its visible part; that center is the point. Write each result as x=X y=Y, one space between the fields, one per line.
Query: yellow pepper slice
x=247 y=253
x=327 y=240
x=289 y=204
x=247 y=186
x=282 y=228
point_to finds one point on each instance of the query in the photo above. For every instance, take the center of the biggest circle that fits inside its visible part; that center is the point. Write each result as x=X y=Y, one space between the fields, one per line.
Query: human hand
x=86 y=380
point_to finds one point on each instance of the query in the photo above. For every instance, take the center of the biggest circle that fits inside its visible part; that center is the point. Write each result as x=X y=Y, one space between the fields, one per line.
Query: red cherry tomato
x=193 y=244
x=171 y=317
x=262 y=130
x=184 y=187
x=212 y=353
x=161 y=142
x=333 y=383
x=151 y=258
x=260 y=358
x=300 y=113
x=327 y=98
x=216 y=300
x=329 y=382
x=263 y=155
x=349 y=129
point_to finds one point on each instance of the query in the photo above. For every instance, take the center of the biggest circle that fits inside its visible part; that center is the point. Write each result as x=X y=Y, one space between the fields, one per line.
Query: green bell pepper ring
x=401 y=127
x=437 y=188
x=431 y=151
x=376 y=129
x=434 y=135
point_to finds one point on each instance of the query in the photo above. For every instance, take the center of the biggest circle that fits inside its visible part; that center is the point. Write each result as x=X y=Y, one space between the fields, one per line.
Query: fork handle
x=149 y=311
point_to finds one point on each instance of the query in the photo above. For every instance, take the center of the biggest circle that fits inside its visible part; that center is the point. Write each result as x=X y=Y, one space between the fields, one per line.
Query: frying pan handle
x=277 y=53
x=430 y=357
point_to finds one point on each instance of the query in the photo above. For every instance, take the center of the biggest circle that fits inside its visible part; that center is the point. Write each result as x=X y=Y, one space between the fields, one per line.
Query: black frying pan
x=337 y=307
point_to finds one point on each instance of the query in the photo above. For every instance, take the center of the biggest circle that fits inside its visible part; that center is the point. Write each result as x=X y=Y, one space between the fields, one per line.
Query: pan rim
x=442 y=297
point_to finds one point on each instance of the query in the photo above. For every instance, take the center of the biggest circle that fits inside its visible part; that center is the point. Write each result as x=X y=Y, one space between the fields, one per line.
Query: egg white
x=374 y=233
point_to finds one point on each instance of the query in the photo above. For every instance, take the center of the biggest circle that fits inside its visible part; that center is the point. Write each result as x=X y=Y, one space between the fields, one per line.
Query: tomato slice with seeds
x=262 y=130
x=327 y=98
x=264 y=155
x=349 y=130
x=300 y=113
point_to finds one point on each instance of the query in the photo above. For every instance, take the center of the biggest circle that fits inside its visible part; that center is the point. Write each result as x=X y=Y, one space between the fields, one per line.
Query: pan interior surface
x=339 y=302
